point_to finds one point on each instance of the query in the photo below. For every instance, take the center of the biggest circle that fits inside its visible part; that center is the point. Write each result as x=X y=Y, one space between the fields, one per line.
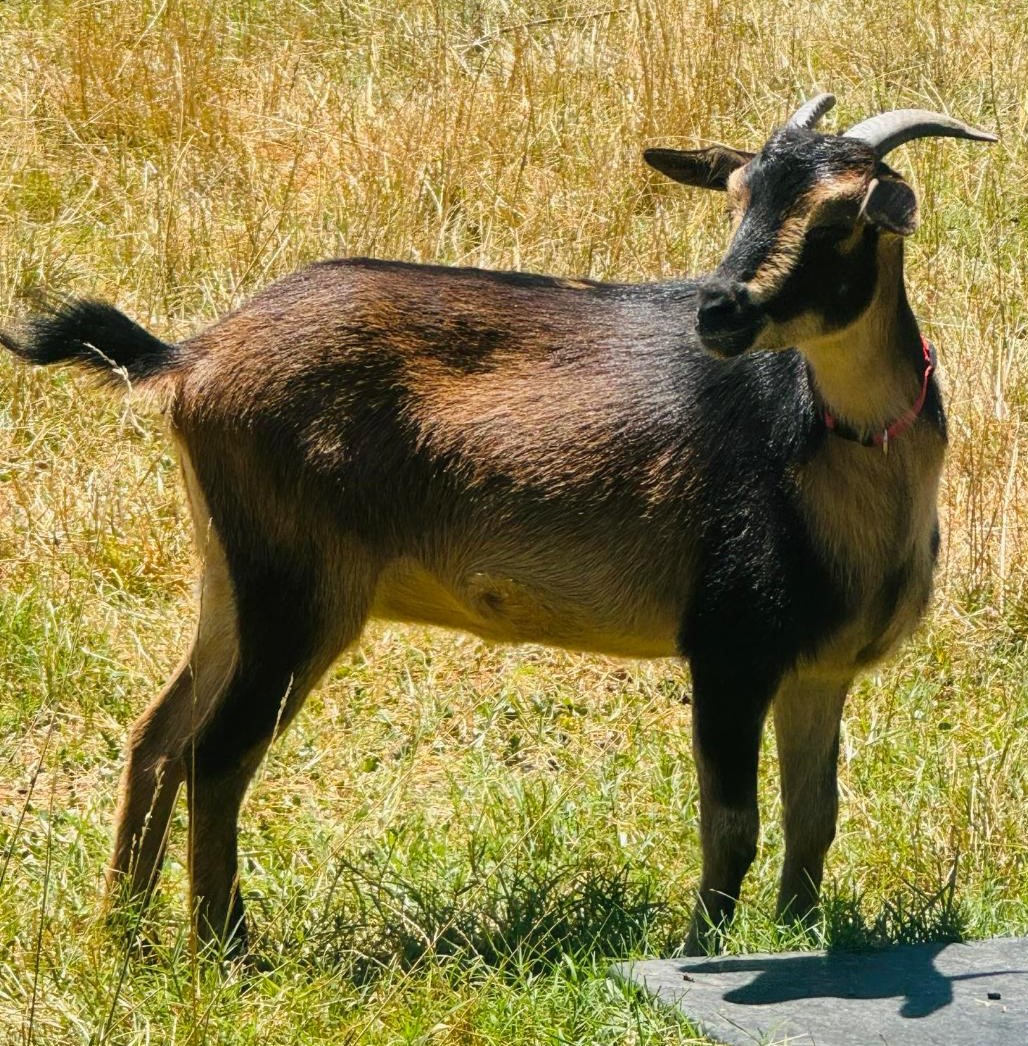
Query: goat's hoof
x=700 y=942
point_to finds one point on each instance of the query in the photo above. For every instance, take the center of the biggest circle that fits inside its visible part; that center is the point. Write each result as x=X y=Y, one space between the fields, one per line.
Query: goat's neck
x=871 y=373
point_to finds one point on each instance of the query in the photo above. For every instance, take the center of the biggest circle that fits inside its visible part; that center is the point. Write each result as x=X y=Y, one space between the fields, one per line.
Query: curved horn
x=889 y=130
x=809 y=114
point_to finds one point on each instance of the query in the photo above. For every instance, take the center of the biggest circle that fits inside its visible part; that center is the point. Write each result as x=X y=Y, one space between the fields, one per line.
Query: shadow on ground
x=887 y=953
x=908 y=972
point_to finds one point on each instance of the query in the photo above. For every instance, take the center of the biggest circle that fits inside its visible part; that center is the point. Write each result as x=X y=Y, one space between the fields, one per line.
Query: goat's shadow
x=907 y=971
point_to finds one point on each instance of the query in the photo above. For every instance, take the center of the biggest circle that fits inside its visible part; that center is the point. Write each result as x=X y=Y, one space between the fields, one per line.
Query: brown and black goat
x=600 y=467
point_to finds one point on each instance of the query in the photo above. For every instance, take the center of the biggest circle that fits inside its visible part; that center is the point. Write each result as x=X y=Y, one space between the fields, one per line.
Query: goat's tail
x=95 y=335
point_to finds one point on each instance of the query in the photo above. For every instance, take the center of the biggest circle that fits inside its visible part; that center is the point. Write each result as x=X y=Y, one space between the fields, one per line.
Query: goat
x=594 y=466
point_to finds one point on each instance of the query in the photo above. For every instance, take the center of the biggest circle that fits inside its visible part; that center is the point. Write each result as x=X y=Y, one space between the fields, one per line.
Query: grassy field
x=455 y=841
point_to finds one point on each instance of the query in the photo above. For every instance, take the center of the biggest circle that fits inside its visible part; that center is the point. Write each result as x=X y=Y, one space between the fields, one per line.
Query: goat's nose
x=720 y=305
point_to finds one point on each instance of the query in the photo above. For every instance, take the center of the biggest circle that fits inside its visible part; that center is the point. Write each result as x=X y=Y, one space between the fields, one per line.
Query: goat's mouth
x=727 y=341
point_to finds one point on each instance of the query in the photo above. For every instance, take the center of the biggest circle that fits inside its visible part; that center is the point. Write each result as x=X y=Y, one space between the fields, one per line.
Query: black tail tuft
x=94 y=334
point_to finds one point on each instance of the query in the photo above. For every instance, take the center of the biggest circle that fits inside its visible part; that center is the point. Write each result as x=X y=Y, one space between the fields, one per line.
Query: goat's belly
x=507 y=609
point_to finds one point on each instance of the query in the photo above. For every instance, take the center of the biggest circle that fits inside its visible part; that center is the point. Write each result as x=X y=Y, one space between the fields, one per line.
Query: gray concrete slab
x=973 y=994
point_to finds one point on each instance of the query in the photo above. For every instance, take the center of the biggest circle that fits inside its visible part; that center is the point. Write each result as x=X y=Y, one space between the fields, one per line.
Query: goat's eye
x=828 y=233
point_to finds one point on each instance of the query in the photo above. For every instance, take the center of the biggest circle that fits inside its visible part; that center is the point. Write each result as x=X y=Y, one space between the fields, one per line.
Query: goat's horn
x=808 y=114
x=889 y=130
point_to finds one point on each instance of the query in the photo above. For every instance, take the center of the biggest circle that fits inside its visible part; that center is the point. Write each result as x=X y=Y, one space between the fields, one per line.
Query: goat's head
x=814 y=216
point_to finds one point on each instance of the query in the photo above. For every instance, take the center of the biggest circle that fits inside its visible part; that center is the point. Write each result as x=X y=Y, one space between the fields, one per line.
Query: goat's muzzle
x=727 y=321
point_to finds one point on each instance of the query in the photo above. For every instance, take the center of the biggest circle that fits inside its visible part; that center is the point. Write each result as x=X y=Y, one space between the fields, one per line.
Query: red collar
x=901 y=424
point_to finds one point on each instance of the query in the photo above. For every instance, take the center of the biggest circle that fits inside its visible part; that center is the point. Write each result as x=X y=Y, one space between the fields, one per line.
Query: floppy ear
x=705 y=168
x=891 y=204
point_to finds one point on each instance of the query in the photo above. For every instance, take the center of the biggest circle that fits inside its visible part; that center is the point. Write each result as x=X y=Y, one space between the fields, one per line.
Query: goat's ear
x=891 y=204
x=705 y=168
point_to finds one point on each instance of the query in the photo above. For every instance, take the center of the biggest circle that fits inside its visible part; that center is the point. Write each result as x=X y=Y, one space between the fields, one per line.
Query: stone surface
x=915 y=995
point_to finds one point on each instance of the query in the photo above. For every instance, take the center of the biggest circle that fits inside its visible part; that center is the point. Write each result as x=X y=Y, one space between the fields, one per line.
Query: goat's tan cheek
x=775 y=335
x=772 y=335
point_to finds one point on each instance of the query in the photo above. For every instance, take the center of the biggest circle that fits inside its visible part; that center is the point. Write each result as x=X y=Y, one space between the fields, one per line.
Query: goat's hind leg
x=807 y=711
x=159 y=739
x=290 y=631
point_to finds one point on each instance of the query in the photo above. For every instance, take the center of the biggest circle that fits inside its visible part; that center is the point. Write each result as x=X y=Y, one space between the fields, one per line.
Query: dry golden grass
x=176 y=156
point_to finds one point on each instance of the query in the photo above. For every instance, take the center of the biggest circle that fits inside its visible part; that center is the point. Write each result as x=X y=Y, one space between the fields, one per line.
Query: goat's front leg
x=729 y=707
x=807 y=712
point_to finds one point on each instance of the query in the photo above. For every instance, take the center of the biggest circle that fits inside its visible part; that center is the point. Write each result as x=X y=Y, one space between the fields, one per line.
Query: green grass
x=454 y=842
